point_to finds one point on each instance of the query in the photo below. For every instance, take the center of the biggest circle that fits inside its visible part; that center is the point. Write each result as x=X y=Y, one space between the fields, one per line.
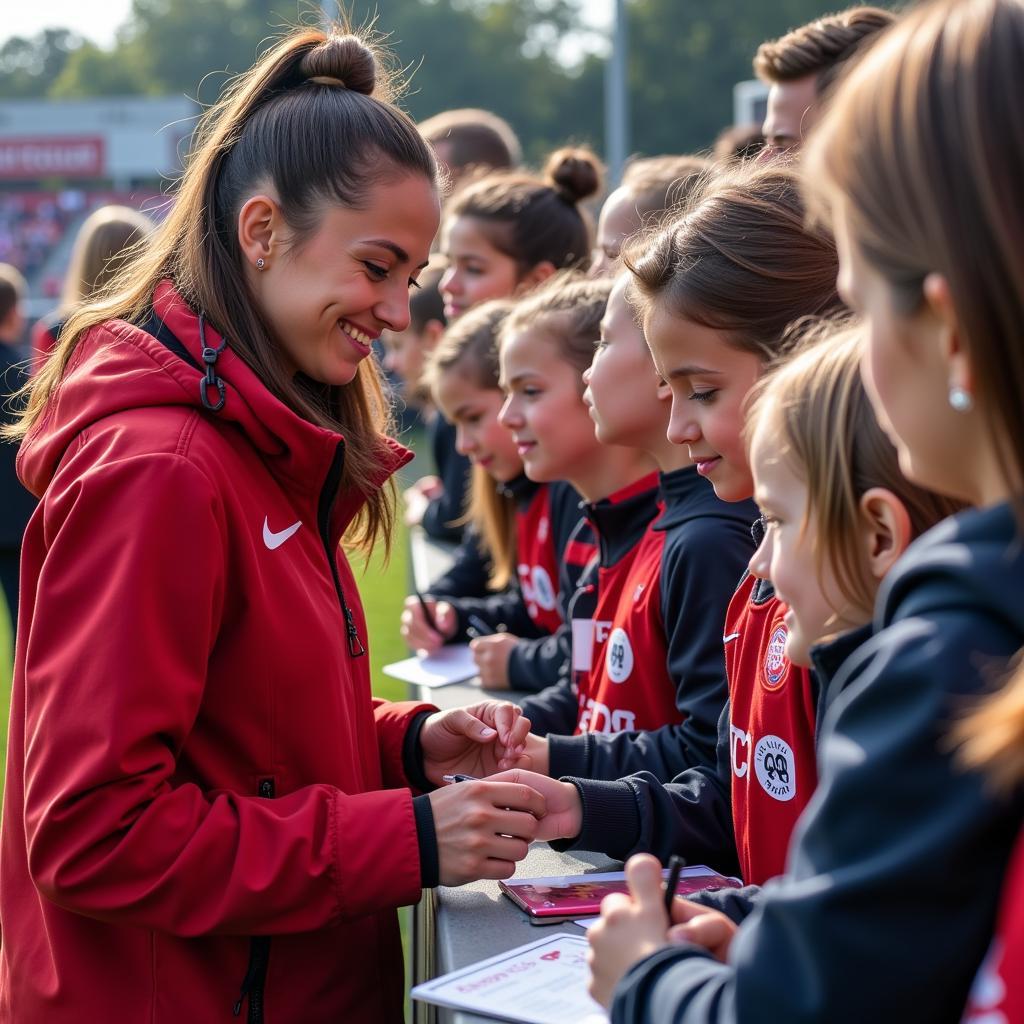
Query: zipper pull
x=355 y=645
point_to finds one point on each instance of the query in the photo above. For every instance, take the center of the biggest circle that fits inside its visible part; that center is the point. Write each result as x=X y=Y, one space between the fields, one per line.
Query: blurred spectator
x=738 y=142
x=469 y=139
x=16 y=504
x=800 y=67
x=102 y=244
x=649 y=187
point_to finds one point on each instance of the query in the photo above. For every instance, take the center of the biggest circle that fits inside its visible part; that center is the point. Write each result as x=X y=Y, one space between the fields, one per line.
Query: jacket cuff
x=569 y=755
x=611 y=818
x=426 y=836
x=412 y=754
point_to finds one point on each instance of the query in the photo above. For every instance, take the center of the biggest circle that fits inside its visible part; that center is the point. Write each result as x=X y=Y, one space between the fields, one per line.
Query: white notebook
x=544 y=982
x=452 y=663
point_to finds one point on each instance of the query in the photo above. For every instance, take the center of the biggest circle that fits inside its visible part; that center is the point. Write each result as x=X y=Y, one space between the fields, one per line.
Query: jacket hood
x=117 y=367
x=974 y=559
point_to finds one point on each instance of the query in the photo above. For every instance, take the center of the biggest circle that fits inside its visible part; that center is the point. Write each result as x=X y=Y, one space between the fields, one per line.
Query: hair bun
x=344 y=58
x=574 y=172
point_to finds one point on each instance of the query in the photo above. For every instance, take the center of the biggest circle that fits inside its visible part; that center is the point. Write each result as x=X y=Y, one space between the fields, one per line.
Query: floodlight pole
x=616 y=103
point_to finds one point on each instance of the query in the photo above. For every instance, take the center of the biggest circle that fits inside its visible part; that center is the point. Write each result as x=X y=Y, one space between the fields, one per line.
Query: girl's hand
x=419 y=496
x=478 y=740
x=564 y=816
x=703 y=927
x=483 y=828
x=491 y=654
x=631 y=927
x=418 y=634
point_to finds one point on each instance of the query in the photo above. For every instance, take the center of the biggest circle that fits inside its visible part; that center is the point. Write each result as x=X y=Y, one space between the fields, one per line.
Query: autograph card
x=544 y=982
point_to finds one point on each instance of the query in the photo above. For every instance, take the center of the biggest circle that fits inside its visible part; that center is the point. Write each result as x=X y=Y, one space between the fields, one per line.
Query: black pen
x=427 y=614
x=675 y=866
x=477 y=627
x=459 y=778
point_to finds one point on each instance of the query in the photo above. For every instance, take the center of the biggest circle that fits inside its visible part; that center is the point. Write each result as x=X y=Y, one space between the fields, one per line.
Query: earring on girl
x=260 y=263
x=960 y=399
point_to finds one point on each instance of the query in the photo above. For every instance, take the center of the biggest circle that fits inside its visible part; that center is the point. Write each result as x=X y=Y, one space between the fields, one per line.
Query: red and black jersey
x=772 y=711
x=667 y=620
x=537 y=560
x=551 y=554
x=997 y=996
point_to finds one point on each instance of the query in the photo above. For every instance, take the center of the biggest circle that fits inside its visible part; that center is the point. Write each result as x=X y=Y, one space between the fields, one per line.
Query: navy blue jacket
x=889 y=900
x=444 y=512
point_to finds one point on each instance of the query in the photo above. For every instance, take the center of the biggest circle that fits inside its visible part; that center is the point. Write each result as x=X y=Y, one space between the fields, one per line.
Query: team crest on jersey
x=776 y=664
x=775 y=767
x=618 y=656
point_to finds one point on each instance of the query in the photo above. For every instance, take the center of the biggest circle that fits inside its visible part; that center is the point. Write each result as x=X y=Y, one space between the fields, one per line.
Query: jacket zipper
x=327 y=498
x=259 y=953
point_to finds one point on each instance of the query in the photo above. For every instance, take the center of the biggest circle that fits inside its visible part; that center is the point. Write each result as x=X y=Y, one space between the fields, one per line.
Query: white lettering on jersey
x=598 y=717
x=775 y=767
x=736 y=737
x=619 y=656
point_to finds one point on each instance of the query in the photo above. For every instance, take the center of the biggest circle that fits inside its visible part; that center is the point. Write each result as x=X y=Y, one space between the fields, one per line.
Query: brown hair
x=568 y=308
x=822 y=47
x=816 y=405
x=477 y=138
x=425 y=301
x=533 y=220
x=661 y=182
x=738 y=142
x=312 y=118
x=104 y=244
x=12 y=289
x=740 y=259
x=923 y=152
x=992 y=737
x=470 y=347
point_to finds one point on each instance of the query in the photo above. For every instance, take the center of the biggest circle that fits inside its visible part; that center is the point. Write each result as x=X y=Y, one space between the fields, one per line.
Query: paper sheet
x=544 y=982
x=452 y=663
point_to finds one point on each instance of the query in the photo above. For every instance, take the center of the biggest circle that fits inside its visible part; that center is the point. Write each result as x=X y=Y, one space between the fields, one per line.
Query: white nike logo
x=275 y=540
x=731 y=636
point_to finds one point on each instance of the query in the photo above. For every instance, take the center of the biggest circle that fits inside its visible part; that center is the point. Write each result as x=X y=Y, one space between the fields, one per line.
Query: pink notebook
x=579 y=895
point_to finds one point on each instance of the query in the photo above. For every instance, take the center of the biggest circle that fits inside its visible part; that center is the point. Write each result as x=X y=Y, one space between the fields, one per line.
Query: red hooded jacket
x=195 y=760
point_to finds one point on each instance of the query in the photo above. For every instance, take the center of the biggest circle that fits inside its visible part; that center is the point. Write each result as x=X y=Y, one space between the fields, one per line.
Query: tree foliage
x=498 y=54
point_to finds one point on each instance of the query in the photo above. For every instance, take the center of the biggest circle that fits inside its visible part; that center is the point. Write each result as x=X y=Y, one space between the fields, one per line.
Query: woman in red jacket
x=206 y=811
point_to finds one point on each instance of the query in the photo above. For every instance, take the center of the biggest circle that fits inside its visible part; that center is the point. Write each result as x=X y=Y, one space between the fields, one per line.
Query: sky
x=96 y=20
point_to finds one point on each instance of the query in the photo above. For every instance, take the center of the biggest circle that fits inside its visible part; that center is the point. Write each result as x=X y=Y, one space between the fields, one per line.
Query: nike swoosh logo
x=731 y=636
x=275 y=540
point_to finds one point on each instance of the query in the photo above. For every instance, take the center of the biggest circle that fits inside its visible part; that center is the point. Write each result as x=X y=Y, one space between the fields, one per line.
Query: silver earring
x=261 y=263
x=960 y=399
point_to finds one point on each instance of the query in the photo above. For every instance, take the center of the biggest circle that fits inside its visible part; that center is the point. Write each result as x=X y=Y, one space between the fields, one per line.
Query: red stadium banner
x=26 y=159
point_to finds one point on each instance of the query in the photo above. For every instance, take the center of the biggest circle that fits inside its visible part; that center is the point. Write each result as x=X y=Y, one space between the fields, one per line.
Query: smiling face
x=709 y=378
x=544 y=407
x=787 y=554
x=473 y=411
x=328 y=298
x=477 y=271
x=622 y=390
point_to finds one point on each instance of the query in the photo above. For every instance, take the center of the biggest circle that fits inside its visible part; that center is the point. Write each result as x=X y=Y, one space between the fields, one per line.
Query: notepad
x=572 y=896
x=452 y=663
x=543 y=982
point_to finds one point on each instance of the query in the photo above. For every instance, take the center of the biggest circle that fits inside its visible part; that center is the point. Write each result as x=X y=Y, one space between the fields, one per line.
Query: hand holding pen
x=427 y=624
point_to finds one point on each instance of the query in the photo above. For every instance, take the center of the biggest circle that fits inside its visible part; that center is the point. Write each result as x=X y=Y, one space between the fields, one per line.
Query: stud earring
x=960 y=399
x=261 y=263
